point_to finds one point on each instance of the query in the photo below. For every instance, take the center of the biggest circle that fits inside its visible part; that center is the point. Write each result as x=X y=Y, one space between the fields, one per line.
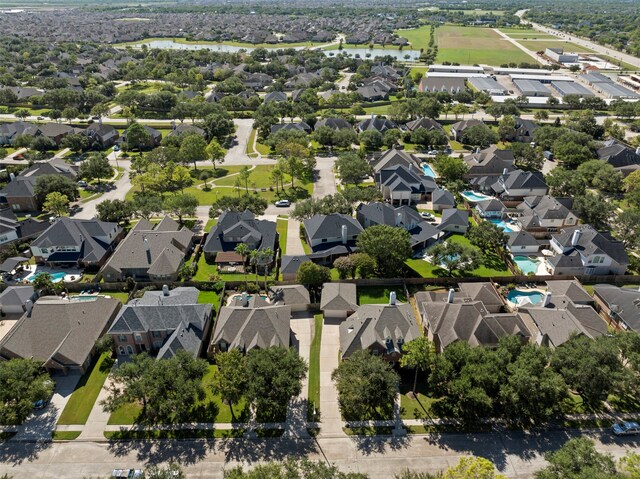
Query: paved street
x=119 y=191
x=516 y=454
x=325 y=180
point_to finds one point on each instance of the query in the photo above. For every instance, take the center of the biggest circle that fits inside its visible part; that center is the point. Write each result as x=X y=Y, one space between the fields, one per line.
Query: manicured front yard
x=379 y=294
x=281 y=228
x=314 y=368
x=84 y=396
x=65 y=435
x=420 y=406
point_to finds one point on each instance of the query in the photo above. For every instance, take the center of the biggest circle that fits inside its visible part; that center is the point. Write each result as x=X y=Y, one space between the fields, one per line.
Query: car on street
x=41 y=118
x=116 y=148
x=82 y=183
x=628 y=428
x=127 y=473
x=426 y=215
x=283 y=203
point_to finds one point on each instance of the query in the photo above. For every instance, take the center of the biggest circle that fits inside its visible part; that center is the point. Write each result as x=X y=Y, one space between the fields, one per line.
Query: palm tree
x=254 y=258
x=265 y=256
x=243 y=250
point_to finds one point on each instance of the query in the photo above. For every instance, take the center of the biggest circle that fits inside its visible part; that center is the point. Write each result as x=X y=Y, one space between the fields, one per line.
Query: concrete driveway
x=325 y=178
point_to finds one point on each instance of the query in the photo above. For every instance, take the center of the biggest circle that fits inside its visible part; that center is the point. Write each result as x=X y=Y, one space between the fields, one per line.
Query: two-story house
x=405 y=186
x=541 y=215
x=491 y=161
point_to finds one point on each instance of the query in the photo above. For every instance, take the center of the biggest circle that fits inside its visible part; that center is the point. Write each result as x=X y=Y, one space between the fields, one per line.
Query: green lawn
x=471 y=45
x=210 y=224
x=314 y=368
x=123 y=297
x=263 y=149
x=209 y=409
x=418 y=37
x=414 y=408
x=281 y=228
x=84 y=396
x=205 y=270
x=65 y=435
x=541 y=45
x=209 y=297
x=169 y=434
x=491 y=265
x=379 y=294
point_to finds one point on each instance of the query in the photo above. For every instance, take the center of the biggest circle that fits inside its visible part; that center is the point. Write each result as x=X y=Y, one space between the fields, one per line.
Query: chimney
x=547 y=299
x=505 y=171
x=12 y=176
x=392 y=298
x=146 y=245
x=245 y=299
x=165 y=290
x=398 y=219
x=478 y=149
x=575 y=238
x=344 y=234
x=450 y=296
x=373 y=116
x=29 y=306
x=637 y=152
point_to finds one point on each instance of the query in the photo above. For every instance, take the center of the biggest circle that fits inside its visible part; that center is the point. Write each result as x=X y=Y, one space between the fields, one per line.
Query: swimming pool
x=473 y=196
x=428 y=171
x=527 y=265
x=500 y=223
x=55 y=277
x=522 y=297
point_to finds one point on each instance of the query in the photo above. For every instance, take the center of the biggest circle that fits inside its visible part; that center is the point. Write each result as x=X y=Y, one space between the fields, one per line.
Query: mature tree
x=370 y=140
x=193 y=148
x=418 y=354
x=215 y=152
x=590 y=367
x=170 y=471
x=454 y=256
x=56 y=203
x=137 y=136
x=496 y=110
x=352 y=168
x=70 y=113
x=630 y=465
x=366 y=385
x=533 y=392
x=627 y=226
x=256 y=204
x=449 y=168
x=293 y=469
x=391 y=137
x=479 y=135
x=592 y=208
x=527 y=157
x=116 y=211
x=601 y=175
x=571 y=154
x=181 y=205
x=231 y=379
x=291 y=162
x=473 y=468
x=565 y=183
x=95 y=167
x=75 y=142
x=22 y=113
x=23 y=383
x=165 y=388
x=42 y=144
x=346 y=266
x=507 y=128
x=313 y=276
x=43 y=282
x=326 y=205
x=578 y=459
x=365 y=265
x=487 y=236
x=390 y=247
x=275 y=377
x=147 y=205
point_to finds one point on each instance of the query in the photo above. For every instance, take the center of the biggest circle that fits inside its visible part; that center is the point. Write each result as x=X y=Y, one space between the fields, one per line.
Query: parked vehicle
x=127 y=473
x=282 y=203
x=426 y=215
x=628 y=428
x=82 y=183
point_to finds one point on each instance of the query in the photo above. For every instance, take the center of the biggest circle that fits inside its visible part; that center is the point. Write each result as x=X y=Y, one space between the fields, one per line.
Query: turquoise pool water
x=428 y=171
x=473 y=196
x=520 y=297
x=55 y=277
x=501 y=224
x=526 y=264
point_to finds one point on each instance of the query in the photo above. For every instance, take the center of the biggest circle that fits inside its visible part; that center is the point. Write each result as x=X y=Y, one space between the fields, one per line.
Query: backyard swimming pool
x=526 y=264
x=473 y=196
x=428 y=171
x=501 y=223
x=55 y=277
x=522 y=297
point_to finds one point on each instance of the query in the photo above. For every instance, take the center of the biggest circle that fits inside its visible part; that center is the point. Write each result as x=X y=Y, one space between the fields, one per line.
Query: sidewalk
x=330 y=416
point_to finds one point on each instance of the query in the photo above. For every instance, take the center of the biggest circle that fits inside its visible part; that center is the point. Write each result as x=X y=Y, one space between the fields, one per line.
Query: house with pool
x=406 y=186
x=390 y=158
x=491 y=209
x=491 y=161
x=582 y=250
x=542 y=215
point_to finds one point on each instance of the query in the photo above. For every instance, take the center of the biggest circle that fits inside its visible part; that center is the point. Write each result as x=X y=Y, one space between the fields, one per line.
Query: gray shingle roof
x=17 y=295
x=290 y=263
x=175 y=296
x=258 y=234
x=339 y=297
x=454 y=216
x=330 y=226
x=290 y=295
x=592 y=242
x=248 y=328
x=623 y=302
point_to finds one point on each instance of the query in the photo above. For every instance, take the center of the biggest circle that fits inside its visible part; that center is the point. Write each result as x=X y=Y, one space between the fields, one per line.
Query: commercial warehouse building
x=558 y=55
x=455 y=75
x=615 y=91
x=531 y=88
x=595 y=77
x=542 y=78
x=488 y=85
x=521 y=71
x=571 y=88
x=456 y=68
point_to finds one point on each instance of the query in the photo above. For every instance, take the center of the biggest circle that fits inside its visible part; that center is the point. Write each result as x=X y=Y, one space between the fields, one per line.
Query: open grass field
x=418 y=37
x=471 y=45
x=541 y=45
x=230 y=43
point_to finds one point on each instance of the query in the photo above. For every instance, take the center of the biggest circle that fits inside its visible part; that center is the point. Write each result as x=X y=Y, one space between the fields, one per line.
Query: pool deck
x=513 y=305
x=72 y=275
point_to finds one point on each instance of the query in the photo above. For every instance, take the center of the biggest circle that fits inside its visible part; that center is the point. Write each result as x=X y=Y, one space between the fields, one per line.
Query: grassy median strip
x=65 y=435
x=177 y=434
x=84 y=396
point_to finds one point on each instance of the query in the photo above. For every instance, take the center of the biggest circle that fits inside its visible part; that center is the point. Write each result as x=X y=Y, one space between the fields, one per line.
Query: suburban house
x=584 y=250
x=380 y=328
x=338 y=300
x=423 y=234
x=162 y=323
x=150 y=252
x=524 y=131
x=572 y=290
x=622 y=157
x=245 y=328
x=442 y=199
x=12 y=229
x=515 y=185
x=326 y=230
x=295 y=296
x=56 y=132
x=101 y=136
x=333 y=123
x=391 y=158
x=186 y=129
x=289 y=265
x=277 y=96
x=19 y=193
x=291 y=126
x=9 y=131
x=13 y=300
x=556 y=319
x=449 y=317
x=491 y=208
x=234 y=228
x=72 y=242
x=458 y=128
x=61 y=333
x=405 y=186
x=522 y=242
x=541 y=215
x=428 y=124
x=620 y=306
x=376 y=124
x=154 y=138
x=491 y=161
x=454 y=221
x=372 y=92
